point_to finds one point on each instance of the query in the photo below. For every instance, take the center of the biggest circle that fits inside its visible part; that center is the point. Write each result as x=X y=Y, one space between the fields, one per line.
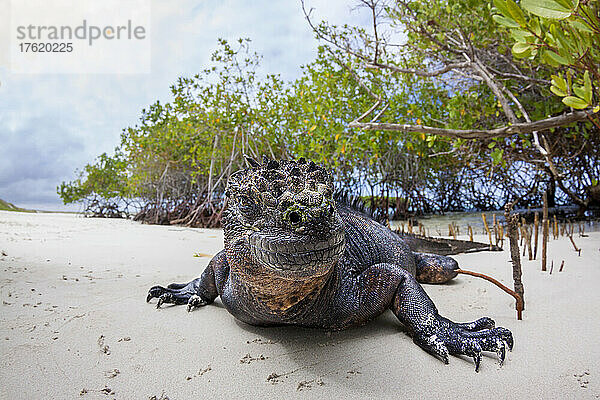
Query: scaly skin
x=295 y=256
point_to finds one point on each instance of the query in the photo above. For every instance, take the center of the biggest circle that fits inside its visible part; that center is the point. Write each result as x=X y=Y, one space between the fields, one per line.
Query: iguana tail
x=445 y=247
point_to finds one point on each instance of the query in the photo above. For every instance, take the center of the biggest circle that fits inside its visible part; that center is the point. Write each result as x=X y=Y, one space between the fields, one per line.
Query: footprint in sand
x=112 y=373
x=247 y=359
x=583 y=379
x=104 y=348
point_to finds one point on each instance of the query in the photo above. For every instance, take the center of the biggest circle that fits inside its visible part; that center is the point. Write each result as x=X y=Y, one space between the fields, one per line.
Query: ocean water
x=437 y=225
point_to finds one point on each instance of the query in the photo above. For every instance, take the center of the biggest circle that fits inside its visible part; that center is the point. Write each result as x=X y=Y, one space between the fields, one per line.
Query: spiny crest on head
x=251 y=161
x=356 y=203
x=277 y=178
x=267 y=162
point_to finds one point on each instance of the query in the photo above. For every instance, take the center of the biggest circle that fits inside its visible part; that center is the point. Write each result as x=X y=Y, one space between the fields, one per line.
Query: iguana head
x=284 y=215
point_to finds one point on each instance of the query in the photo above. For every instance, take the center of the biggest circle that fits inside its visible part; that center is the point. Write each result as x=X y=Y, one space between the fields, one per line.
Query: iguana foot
x=481 y=323
x=433 y=268
x=177 y=293
x=441 y=337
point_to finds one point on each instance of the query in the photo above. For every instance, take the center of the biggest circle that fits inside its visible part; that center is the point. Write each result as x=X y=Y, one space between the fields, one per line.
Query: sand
x=75 y=324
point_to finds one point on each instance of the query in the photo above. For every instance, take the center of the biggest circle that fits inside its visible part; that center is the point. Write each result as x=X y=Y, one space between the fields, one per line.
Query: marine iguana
x=295 y=256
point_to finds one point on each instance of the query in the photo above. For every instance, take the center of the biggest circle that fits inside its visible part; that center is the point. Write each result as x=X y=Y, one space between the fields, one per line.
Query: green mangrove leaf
x=581 y=26
x=508 y=22
x=516 y=12
x=575 y=102
x=559 y=82
x=546 y=8
x=587 y=87
x=521 y=50
x=502 y=7
x=556 y=58
x=557 y=91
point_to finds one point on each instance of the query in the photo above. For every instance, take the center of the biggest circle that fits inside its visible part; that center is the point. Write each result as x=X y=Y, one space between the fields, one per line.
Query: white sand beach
x=75 y=324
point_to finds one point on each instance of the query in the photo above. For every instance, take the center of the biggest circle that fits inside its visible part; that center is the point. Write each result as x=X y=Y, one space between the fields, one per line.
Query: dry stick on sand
x=494 y=222
x=521 y=233
x=529 y=252
x=523 y=227
x=499 y=234
x=512 y=221
x=523 y=239
x=487 y=228
x=536 y=224
x=571 y=228
x=545 y=232
x=574 y=245
x=526 y=236
x=450 y=230
x=547 y=241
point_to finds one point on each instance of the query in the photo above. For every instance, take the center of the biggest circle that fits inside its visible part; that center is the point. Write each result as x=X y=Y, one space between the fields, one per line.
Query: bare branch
x=443 y=153
x=468 y=76
x=494 y=88
x=326 y=38
x=380 y=113
x=418 y=72
x=369 y=111
x=520 y=77
x=441 y=45
x=505 y=131
x=372 y=6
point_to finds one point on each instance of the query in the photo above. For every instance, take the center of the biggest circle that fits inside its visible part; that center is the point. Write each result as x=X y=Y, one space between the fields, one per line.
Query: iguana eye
x=294 y=217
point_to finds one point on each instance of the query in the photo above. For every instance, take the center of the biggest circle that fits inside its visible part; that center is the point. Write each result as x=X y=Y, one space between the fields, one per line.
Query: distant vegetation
x=478 y=108
x=6 y=206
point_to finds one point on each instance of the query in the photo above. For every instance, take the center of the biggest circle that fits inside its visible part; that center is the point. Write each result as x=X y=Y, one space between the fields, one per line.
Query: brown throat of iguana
x=286 y=271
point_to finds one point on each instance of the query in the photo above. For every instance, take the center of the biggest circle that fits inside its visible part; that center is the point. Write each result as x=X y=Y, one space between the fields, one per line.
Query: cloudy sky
x=51 y=124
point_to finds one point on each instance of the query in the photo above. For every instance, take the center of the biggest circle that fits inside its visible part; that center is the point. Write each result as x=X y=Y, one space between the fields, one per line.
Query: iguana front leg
x=440 y=336
x=199 y=292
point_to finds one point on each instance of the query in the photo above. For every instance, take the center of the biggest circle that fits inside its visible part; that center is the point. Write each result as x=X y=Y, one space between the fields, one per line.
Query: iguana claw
x=443 y=337
x=477 y=360
x=164 y=298
x=501 y=351
x=177 y=294
x=194 y=302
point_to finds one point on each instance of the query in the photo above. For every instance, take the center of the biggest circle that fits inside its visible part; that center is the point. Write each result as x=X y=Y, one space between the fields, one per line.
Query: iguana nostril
x=294 y=217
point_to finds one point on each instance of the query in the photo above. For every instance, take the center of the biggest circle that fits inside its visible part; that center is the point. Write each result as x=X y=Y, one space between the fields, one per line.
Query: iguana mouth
x=294 y=252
